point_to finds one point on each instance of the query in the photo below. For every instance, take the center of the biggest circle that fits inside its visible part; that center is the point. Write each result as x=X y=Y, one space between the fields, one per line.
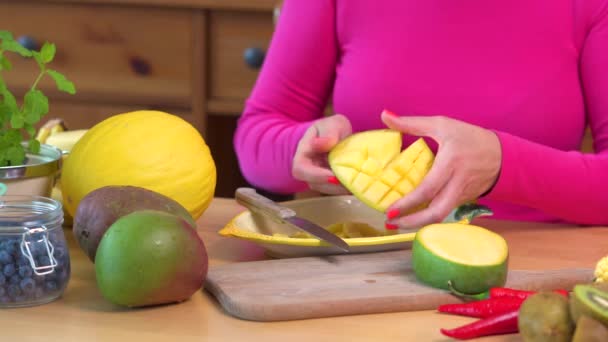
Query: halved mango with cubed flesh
x=373 y=167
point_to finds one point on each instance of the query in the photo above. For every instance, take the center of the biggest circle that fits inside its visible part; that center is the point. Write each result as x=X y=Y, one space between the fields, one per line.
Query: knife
x=259 y=203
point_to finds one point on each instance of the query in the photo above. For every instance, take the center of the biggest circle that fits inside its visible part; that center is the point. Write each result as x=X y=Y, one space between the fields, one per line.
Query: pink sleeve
x=568 y=184
x=291 y=91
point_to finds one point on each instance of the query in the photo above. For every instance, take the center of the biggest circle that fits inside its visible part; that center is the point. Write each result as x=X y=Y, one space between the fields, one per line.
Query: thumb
x=330 y=131
x=323 y=144
x=427 y=126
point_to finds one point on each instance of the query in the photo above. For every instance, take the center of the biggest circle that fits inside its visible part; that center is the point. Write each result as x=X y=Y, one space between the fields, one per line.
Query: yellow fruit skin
x=150 y=149
x=601 y=270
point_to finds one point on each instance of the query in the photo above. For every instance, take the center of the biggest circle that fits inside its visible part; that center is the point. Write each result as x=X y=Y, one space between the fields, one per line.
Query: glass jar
x=34 y=256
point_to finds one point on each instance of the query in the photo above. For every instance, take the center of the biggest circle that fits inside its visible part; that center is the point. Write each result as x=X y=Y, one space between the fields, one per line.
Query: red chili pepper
x=503 y=292
x=497 y=292
x=482 y=308
x=504 y=323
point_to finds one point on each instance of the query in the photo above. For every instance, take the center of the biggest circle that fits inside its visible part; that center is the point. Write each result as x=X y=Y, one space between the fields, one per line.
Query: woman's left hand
x=467 y=165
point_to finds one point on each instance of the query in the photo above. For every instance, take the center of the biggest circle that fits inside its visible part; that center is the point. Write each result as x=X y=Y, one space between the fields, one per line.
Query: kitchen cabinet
x=197 y=59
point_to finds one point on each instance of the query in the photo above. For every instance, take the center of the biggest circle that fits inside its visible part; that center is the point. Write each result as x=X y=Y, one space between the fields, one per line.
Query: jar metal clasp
x=38 y=238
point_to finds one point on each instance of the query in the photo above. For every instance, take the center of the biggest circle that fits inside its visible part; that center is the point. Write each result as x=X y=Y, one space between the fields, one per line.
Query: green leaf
x=35 y=105
x=63 y=83
x=13 y=137
x=30 y=129
x=6 y=35
x=38 y=58
x=5 y=64
x=34 y=145
x=13 y=46
x=17 y=120
x=8 y=98
x=15 y=155
x=5 y=113
x=47 y=52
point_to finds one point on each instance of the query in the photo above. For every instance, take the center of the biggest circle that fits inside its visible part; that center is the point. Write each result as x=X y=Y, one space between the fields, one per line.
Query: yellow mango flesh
x=373 y=167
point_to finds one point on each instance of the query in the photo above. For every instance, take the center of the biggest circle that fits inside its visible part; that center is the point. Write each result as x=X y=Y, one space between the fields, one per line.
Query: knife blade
x=259 y=203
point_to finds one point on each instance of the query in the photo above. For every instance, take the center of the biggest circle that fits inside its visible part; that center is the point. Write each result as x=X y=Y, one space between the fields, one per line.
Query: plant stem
x=42 y=72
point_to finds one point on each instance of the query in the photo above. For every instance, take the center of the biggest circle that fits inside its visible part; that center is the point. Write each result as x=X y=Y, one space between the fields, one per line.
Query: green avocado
x=150 y=257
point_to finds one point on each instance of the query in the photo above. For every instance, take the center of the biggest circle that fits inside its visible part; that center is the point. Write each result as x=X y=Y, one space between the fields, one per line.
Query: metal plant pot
x=36 y=177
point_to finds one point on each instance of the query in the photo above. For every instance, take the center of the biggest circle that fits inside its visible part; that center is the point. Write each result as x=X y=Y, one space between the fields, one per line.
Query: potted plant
x=26 y=166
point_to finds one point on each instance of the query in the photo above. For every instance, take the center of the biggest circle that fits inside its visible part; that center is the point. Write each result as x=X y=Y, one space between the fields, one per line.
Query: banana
x=65 y=140
x=49 y=128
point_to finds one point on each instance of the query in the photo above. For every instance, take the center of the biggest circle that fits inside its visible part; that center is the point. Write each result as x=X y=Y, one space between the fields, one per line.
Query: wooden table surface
x=83 y=315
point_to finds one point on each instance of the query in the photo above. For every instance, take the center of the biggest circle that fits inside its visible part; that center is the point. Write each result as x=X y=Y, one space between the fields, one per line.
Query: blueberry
x=5 y=257
x=14 y=247
x=44 y=260
x=38 y=293
x=28 y=285
x=59 y=253
x=14 y=290
x=9 y=270
x=2 y=291
x=5 y=299
x=25 y=271
x=2 y=279
x=14 y=279
x=20 y=299
x=50 y=285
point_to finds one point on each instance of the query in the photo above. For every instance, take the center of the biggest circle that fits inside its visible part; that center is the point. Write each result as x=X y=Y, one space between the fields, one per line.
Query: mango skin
x=150 y=257
x=436 y=271
x=102 y=207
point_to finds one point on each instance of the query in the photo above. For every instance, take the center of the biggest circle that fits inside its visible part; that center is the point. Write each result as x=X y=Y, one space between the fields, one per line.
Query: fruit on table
x=100 y=208
x=49 y=128
x=150 y=149
x=372 y=166
x=150 y=257
x=467 y=258
x=589 y=330
x=588 y=300
x=601 y=270
x=545 y=317
x=66 y=140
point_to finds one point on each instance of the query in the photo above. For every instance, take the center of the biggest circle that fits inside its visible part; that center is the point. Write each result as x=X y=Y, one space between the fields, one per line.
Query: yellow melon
x=373 y=167
x=150 y=149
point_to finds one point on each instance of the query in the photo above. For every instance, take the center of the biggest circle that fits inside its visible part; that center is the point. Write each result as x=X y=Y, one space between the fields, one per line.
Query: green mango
x=150 y=257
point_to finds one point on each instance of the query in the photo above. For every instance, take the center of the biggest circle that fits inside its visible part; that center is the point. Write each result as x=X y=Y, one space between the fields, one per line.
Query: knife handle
x=252 y=200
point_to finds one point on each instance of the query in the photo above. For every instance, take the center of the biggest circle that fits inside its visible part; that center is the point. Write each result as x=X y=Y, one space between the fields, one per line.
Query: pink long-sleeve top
x=533 y=71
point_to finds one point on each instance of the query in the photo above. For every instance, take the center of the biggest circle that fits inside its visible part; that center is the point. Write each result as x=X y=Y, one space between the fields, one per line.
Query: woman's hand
x=467 y=165
x=310 y=160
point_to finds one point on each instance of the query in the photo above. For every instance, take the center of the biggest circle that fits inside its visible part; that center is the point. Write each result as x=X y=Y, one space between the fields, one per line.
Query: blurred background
x=197 y=59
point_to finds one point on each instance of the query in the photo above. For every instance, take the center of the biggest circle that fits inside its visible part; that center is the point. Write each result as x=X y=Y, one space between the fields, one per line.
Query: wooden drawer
x=113 y=54
x=231 y=33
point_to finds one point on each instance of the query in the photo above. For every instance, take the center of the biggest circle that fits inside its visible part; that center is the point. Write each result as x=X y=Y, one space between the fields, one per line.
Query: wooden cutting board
x=314 y=287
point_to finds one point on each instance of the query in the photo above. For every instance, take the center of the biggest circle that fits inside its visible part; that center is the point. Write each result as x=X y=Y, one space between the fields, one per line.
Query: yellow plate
x=324 y=211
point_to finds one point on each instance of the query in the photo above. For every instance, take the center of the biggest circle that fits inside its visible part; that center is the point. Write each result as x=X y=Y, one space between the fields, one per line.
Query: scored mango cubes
x=373 y=167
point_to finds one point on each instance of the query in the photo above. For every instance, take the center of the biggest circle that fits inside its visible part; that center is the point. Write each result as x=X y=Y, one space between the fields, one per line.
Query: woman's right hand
x=310 y=160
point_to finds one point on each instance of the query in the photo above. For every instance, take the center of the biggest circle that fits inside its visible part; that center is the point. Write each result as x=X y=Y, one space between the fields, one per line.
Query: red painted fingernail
x=390 y=226
x=388 y=112
x=333 y=180
x=392 y=213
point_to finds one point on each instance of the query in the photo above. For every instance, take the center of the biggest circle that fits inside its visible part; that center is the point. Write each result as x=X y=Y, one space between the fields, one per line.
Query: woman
x=505 y=90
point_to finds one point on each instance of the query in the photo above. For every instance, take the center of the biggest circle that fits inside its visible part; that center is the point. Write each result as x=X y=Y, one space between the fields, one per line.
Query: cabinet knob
x=254 y=57
x=28 y=42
